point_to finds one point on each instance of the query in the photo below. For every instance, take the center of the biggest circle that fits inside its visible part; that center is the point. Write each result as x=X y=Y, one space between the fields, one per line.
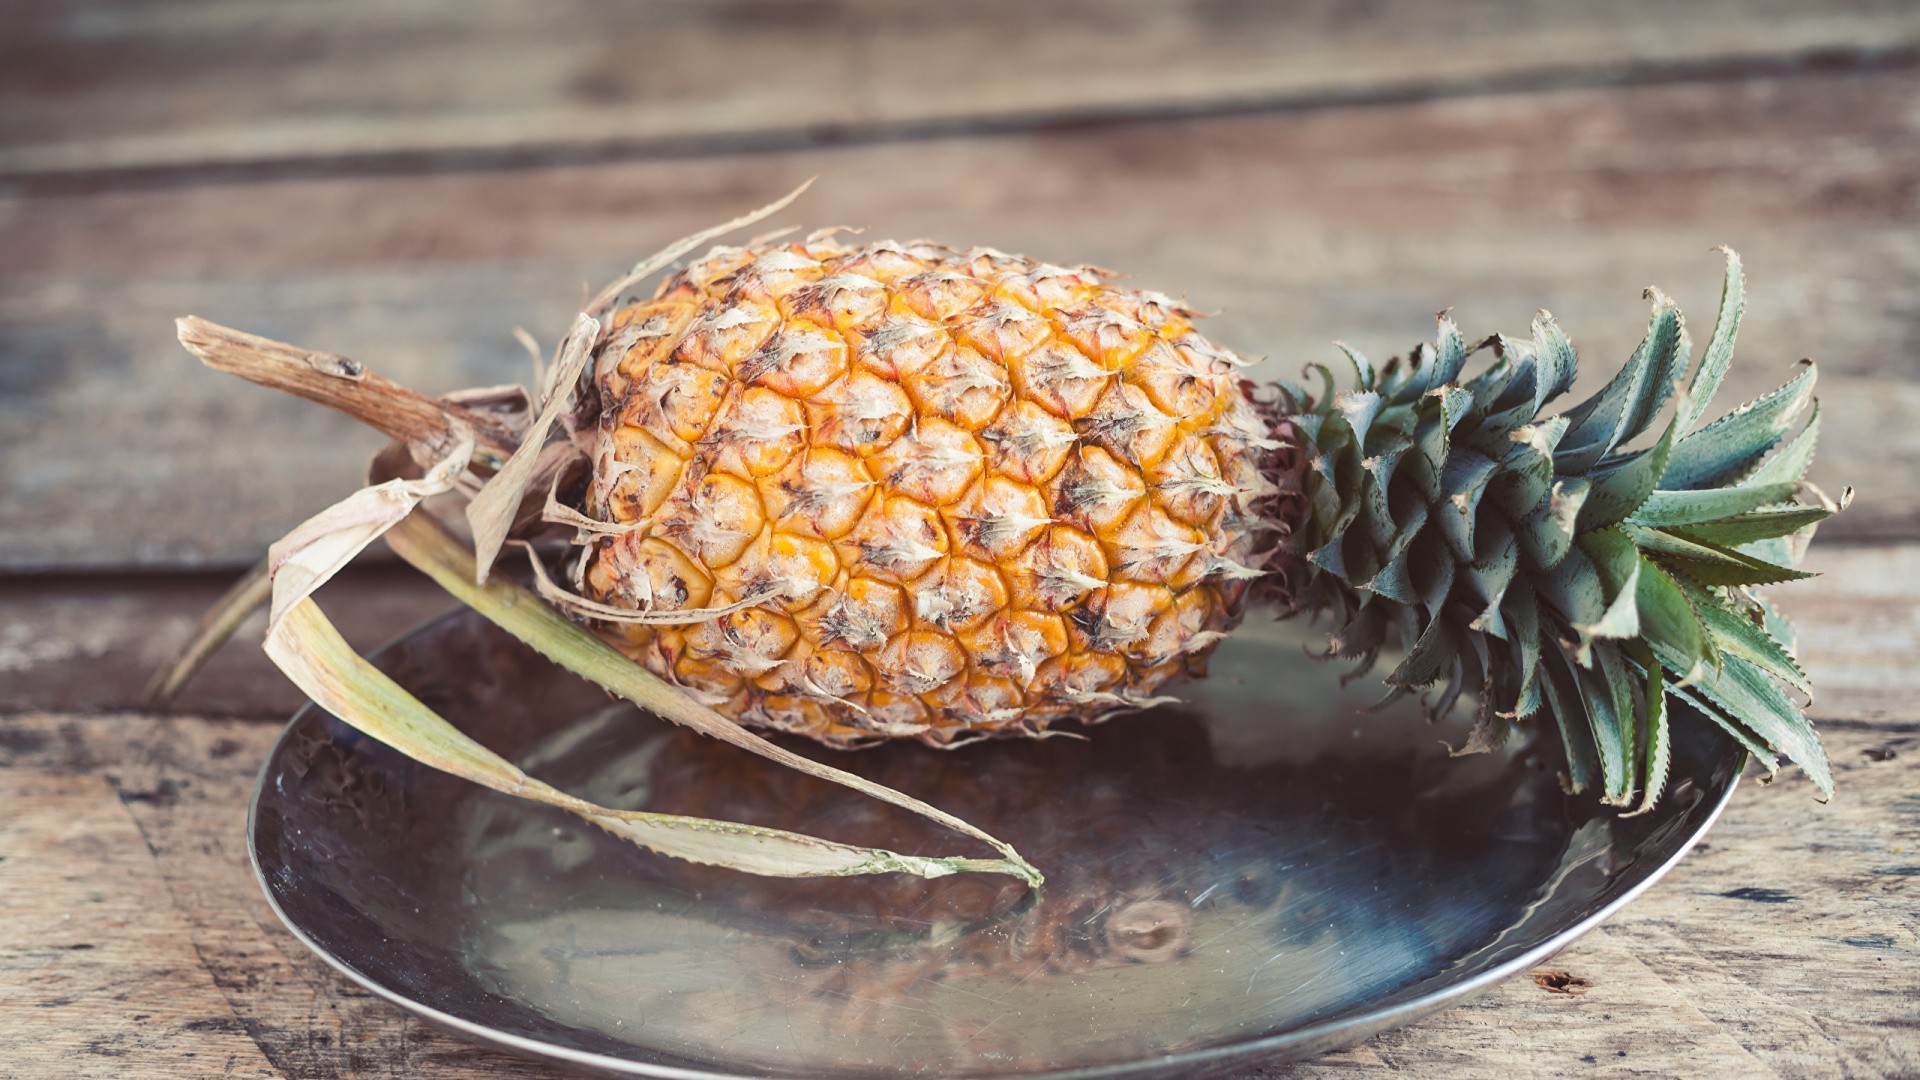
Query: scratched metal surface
x=1260 y=874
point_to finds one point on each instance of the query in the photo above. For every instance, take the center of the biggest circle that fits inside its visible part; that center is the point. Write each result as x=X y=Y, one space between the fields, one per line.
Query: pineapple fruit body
x=909 y=491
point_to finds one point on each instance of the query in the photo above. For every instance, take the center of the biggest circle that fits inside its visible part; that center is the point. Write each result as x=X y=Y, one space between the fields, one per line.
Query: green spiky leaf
x=1670 y=623
x=1620 y=486
x=1627 y=405
x=1708 y=563
x=1666 y=508
x=1656 y=738
x=1617 y=565
x=1567 y=702
x=1767 y=523
x=1610 y=715
x=1745 y=635
x=1745 y=692
x=1729 y=447
x=1547 y=533
x=1789 y=465
x=1719 y=355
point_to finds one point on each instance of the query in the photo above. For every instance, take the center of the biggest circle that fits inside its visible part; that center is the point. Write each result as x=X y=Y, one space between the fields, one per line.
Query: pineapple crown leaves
x=1545 y=564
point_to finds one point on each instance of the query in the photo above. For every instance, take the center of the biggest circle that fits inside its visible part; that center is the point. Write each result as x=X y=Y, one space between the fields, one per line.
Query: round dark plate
x=1261 y=874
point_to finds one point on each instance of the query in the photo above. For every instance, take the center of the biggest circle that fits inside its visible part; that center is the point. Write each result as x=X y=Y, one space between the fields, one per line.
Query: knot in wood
x=336 y=365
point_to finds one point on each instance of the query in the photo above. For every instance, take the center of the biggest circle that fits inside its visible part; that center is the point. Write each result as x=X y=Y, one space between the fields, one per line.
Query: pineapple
x=868 y=491
x=906 y=491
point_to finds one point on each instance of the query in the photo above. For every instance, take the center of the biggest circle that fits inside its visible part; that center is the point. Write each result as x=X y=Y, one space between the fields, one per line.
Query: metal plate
x=1259 y=875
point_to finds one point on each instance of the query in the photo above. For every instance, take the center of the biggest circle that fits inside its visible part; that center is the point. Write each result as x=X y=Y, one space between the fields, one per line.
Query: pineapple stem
x=424 y=424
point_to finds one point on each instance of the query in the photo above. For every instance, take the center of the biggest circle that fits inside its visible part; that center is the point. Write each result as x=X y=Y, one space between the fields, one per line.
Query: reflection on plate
x=1259 y=874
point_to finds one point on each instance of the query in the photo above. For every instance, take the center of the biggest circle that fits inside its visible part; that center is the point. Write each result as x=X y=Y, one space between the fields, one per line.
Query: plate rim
x=1332 y=1034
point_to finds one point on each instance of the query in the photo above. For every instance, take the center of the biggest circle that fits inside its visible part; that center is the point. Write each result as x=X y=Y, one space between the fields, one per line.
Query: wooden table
x=404 y=183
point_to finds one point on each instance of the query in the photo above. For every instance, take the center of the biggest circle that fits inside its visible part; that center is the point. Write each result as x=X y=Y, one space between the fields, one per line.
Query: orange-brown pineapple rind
x=977 y=494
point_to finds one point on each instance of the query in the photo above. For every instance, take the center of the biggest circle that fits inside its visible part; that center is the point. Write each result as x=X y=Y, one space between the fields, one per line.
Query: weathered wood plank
x=98 y=974
x=98 y=85
x=1786 y=945
x=73 y=645
x=1354 y=223
x=179 y=790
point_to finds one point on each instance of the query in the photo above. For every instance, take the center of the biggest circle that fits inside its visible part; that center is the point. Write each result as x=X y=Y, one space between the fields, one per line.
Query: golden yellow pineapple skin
x=960 y=493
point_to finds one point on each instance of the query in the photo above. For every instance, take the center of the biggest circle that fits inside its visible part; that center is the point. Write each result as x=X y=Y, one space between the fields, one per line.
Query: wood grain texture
x=1787 y=945
x=95 y=979
x=77 y=645
x=180 y=790
x=96 y=85
x=1354 y=223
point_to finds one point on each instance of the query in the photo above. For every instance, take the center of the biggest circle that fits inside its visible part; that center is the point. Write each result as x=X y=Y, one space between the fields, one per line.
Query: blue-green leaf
x=1746 y=692
x=1450 y=353
x=1492 y=384
x=1521 y=611
x=1547 y=533
x=1732 y=445
x=1789 y=464
x=1433 y=576
x=1667 y=508
x=1730 y=723
x=1492 y=573
x=1670 y=622
x=1719 y=354
x=1573 y=588
x=1527 y=470
x=1428 y=657
x=1328 y=388
x=1381 y=527
x=1456 y=404
x=1461 y=486
x=1491 y=435
x=1622 y=485
x=1707 y=563
x=1432 y=446
x=1331 y=557
x=1568 y=704
x=1734 y=633
x=1394 y=580
x=1358 y=409
x=1656 y=742
x=1363 y=375
x=1616 y=563
x=1776 y=624
x=1610 y=710
x=1763 y=524
x=1664 y=354
x=1624 y=407
x=1554 y=359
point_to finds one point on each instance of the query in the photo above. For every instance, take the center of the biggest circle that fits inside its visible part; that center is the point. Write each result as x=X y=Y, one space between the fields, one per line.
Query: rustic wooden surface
x=405 y=182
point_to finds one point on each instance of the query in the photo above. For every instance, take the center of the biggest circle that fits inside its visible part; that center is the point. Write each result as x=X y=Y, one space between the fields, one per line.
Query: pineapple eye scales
x=861 y=491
